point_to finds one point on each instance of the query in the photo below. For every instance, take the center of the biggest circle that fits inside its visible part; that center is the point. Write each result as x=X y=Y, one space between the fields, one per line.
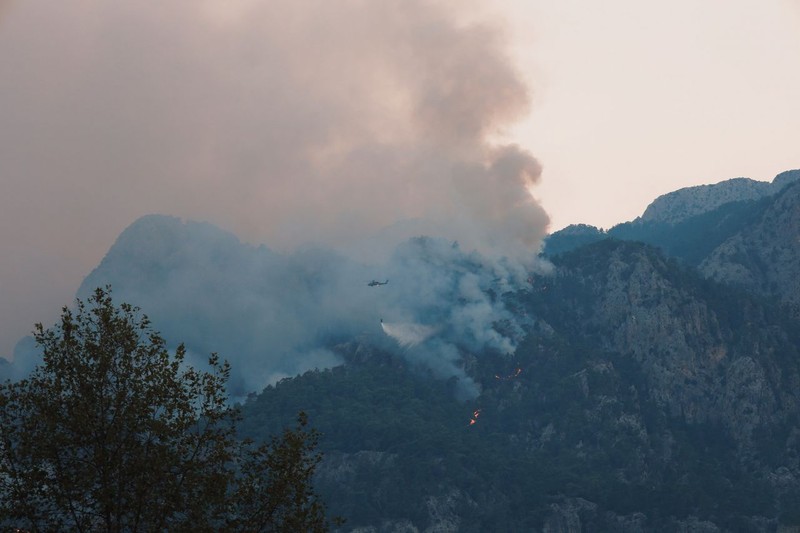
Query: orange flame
x=516 y=373
x=475 y=414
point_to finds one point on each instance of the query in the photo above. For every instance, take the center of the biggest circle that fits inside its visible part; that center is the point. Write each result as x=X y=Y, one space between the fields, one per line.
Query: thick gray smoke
x=444 y=305
x=285 y=121
x=275 y=315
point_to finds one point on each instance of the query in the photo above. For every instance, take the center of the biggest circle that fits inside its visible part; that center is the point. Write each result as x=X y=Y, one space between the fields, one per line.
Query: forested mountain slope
x=617 y=386
x=643 y=398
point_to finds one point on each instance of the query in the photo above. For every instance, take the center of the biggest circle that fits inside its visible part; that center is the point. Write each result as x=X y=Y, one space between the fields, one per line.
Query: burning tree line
x=115 y=433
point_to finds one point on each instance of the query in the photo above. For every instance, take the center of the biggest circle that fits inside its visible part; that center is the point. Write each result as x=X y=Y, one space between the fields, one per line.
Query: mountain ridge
x=648 y=380
x=687 y=202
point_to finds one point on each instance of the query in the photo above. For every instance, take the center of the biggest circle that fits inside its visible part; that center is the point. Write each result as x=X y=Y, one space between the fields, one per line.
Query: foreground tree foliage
x=115 y=433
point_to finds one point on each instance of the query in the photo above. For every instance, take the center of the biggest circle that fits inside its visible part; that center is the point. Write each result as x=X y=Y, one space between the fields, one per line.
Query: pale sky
x=634 y=99
x=113 y=110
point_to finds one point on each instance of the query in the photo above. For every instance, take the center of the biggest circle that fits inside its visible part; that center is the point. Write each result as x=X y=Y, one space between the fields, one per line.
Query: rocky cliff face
x=685 y=203
x=691 y=201
x=701 y=360
x=764 y=257
x=713 y=357
x=785 y=178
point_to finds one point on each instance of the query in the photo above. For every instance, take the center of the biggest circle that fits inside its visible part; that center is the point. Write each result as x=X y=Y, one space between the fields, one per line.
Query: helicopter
x=375 y=283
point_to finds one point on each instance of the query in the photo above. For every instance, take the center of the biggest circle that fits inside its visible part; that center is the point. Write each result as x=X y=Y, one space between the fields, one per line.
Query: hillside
x=639 y=401
x=644 y=378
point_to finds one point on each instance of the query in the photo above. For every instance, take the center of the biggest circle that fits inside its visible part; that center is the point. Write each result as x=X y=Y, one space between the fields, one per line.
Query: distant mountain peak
x=785 y=178
x=676 y=206
x=685 y=203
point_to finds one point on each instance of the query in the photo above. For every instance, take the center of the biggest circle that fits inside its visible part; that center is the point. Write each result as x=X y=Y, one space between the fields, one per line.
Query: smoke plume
x=285 y=122
x=274 y=315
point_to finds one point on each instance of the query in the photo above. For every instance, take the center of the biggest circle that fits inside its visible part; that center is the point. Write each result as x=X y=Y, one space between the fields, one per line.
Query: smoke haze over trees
x=277 y=315
x=286 y=122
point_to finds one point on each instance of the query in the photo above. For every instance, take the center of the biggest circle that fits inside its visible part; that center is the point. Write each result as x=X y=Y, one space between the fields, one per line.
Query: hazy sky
x=634 y=99
x=287 y=121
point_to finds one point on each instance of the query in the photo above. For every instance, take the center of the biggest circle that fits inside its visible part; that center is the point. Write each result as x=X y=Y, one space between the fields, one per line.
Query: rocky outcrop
x=685 y=203
x=696 y=364
x=765 y=257
x=785 y=178
x=691 y=201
